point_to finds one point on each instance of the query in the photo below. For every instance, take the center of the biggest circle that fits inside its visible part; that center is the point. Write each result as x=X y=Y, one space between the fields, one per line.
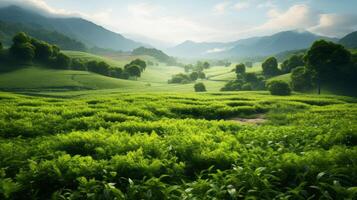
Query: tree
x=301 y=79
x=1 y=47
x=291 y=63
x=116 y=72
x=251 y=77
x=279 y=88
x=188 y=68
x=21 y=38
x=270 y=67
x=23 y=51
x=62 y=61
x=240 y=69
x=201 y=75
x=134 y=70
x=200 y=87
x=326 y=61
x=180 y=78
x=140 y=63
x=206 y=65
x=43 y=50
x=77 y=65
x=194 y=76
x=234 y=85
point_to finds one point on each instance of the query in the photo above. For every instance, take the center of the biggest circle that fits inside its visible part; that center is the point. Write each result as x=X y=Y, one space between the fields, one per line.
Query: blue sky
x=172 y=22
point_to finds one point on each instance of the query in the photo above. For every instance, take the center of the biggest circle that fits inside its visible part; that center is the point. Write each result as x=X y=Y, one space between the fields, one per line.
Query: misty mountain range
x=255 y=46
x=93 y=35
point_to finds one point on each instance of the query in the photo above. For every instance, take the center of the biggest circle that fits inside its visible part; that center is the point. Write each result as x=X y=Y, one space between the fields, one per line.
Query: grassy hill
x=38 y=78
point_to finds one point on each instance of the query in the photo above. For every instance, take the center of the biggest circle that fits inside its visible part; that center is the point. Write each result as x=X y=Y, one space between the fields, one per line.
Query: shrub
x=200 y=87
x=279 y=88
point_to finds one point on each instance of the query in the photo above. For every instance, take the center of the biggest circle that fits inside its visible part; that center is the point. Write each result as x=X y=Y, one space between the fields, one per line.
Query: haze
x=165 y=23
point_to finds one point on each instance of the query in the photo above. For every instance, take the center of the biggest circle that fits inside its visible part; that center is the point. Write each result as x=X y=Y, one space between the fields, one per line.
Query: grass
x=285 y=77
x=37 y=78
x=177 y=146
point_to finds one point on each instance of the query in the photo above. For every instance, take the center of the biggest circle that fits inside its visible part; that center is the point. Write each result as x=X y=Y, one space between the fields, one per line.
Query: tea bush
x=178 y=146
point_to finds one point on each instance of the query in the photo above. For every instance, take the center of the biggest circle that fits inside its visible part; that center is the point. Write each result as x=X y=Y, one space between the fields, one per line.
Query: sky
x=169 y=22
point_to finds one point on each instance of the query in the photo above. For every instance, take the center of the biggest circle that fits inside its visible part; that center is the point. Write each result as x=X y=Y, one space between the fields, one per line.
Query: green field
x=177 y=146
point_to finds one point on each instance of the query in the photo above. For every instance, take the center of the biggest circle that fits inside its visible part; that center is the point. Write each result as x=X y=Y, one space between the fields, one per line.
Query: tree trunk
x=318 y=87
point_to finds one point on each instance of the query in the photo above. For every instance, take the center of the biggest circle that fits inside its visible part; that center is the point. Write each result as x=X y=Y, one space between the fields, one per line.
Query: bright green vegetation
x=177 y=146
x=114 y=61
x=285 y=77
x=37 y=78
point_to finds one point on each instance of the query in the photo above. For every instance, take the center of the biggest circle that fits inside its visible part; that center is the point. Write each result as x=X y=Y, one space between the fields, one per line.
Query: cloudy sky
x=172 y=22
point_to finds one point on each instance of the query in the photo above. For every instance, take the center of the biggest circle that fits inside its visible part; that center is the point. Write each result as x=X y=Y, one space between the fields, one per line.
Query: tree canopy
x=270 y=67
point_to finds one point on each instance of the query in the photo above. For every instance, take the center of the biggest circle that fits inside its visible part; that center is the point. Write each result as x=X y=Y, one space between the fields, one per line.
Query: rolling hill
x=250 y=47
x=350 y=40
x=8 y=30
x=77 y=28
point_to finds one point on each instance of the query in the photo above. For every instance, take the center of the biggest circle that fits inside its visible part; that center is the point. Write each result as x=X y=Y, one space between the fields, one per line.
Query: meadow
x=115 y=145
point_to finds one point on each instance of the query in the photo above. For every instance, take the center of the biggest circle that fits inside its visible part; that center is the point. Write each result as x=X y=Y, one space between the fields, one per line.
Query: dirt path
x=259 y=119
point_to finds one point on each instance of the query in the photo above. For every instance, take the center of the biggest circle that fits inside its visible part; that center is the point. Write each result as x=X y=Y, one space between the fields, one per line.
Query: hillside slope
x=350 y=40
x=8 y=30
x=77 y=28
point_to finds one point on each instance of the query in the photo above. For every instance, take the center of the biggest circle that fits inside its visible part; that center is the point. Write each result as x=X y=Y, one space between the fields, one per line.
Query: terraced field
x=111 y=145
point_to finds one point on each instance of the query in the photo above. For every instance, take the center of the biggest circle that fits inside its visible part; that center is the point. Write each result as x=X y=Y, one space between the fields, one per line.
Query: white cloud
x=220 y=8
x=39 y=5
x=335 y=25
x=241 y=5
x=296 y=17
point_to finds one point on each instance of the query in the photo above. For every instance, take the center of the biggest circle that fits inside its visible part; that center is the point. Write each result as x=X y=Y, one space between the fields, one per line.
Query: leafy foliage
x=166 y=146
x=270 y=67
x=199 y=87
x=279 y=88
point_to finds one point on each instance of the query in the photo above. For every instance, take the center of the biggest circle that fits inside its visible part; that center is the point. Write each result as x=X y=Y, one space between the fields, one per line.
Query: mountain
x=77 y=28
x=250 y=47
x=8 y=30
x=350 y=40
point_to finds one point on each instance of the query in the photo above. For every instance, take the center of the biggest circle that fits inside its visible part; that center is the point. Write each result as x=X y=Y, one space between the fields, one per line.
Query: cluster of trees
x=182 y=78
x=223 y=63
x=198 y=67
x=192 y=73
x=26 y=49
x=271 y=67
x=244 y=80
x=326 y=63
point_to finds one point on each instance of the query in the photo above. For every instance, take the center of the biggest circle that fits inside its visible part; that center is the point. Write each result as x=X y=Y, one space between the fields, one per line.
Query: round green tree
x=200 y=87
x=194 y=76
x=327 y=61
x=240 y=69
x=279 y=88
x=270 y=67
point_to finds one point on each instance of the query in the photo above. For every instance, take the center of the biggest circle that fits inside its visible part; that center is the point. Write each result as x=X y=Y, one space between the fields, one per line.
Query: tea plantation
x=178 y=146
